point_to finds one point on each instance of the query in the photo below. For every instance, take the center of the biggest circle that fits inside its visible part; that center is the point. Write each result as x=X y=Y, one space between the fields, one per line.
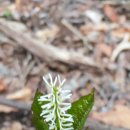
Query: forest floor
x=85 y=41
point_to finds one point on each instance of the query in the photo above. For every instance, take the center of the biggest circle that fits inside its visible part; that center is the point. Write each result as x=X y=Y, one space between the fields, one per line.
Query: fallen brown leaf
x=6 y=109
x=22 y=94
x=13 y=126
x=105 y=49
x=119 y=116
x=48 y=33
x=2 y=86
x=110 y=13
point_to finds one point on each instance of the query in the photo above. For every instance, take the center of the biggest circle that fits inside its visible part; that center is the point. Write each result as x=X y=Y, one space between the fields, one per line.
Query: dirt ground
x=85 y=41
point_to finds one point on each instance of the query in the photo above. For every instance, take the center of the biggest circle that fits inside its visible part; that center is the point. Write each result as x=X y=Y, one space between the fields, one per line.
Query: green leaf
x=80 y=110
x=37 y=120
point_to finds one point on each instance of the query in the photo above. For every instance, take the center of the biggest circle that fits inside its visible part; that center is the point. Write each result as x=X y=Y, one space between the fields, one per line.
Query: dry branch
x=77 y=33
x=45 y=51
x=124 y=45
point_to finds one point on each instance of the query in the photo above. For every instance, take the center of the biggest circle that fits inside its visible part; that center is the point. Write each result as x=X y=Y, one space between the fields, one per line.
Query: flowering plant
x=52 y=112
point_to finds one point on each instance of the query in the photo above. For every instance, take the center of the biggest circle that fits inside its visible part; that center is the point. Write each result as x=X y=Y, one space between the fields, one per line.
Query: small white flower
x=54 y=110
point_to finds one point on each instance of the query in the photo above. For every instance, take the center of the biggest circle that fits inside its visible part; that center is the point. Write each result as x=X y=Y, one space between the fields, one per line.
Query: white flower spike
x=54 y=110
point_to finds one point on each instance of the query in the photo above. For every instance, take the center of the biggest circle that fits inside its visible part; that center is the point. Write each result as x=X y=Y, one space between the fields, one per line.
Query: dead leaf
x=110 y=13
x=15 y=125
x=2 y=86
x=18 y=4
x=103 y=27
x=48 y=33
x=22 y=94
x=6 y=109
x=119 y=116
x=120 y=32
x=105 y=49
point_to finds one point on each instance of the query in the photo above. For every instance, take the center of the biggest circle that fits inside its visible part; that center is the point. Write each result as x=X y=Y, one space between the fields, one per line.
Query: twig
x=124 y=45
x=47 y=52
x=27 y=68
x=72 y=28
x=77 y=33
x=100 y=91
